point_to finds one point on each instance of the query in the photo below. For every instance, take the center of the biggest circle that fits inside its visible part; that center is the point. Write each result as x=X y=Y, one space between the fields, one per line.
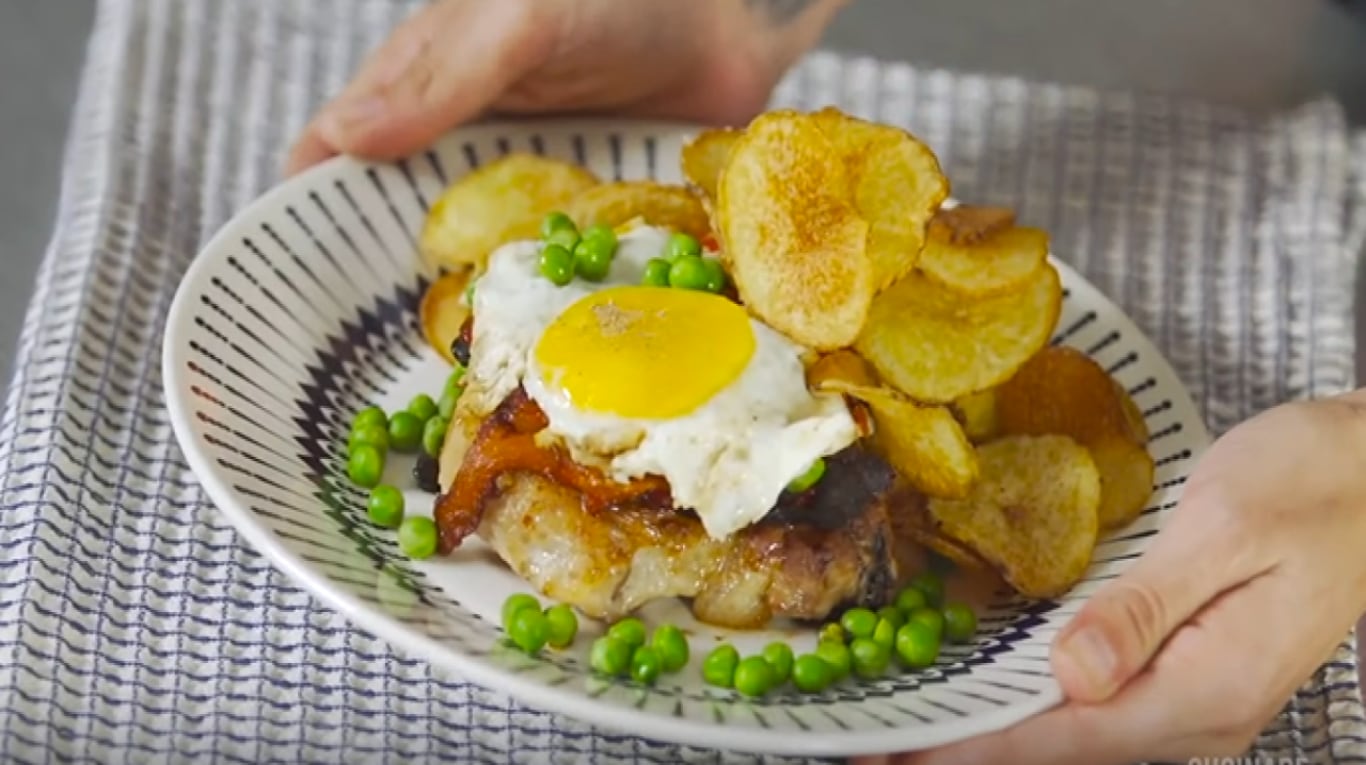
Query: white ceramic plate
x=302 y=310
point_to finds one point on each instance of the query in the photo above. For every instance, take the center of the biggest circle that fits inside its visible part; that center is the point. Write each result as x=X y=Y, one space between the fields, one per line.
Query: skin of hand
x=1256 y=579
x=712 y=61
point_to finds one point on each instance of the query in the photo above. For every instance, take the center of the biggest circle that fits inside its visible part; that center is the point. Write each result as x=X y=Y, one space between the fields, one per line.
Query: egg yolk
x=645 y=352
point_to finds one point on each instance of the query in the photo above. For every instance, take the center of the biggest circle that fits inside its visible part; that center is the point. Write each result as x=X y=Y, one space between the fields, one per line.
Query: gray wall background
x=1257 y=54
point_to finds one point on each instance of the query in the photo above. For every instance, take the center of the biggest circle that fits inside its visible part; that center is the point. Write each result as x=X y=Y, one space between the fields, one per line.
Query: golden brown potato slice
x=794 y=246
x=1032 y=514
x=657 y=204
x=935 y=346
x=497 y=203
x=704 y=157
x=1063 y=391
x=896 y=184
x=443 y=311
x=969 y=224
x=997 y=263
x=924 y=444
x=911 y=521
x=843 y=368
x=977 y=412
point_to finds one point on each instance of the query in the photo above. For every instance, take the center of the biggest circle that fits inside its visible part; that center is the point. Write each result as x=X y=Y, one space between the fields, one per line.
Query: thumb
x=446 y=66
x=1113 y=637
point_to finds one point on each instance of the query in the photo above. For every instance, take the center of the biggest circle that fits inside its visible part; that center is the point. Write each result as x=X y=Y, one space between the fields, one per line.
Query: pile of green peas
x=862 y=643
x=421 y=425
x=566 y=252
x=531 y=627
x=683 y=266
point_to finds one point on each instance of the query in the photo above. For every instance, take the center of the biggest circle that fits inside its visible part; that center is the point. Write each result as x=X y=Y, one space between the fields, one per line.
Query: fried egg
x=640 y=380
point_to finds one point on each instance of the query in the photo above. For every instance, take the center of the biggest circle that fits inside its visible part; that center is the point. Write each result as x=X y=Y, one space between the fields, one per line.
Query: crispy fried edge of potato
x=936 y=262
x=965 y=224
x=704 y=157
x=445 y=294
x=986 y=496
x=654 y=203
x=823 y=321
x=910 y=383
x=435 y=245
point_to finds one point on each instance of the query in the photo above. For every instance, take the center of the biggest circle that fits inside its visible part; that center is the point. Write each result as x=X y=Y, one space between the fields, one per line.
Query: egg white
x=728 y=460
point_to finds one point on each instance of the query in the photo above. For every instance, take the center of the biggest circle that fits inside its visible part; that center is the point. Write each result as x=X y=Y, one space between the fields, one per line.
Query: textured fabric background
x=135 y=626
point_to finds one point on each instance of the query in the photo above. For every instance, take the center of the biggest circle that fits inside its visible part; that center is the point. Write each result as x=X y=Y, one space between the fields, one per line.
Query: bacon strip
x=506 y=442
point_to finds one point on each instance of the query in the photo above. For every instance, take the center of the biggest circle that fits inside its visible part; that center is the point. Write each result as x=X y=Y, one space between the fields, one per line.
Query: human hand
x=1255 y=580
x=714 y=61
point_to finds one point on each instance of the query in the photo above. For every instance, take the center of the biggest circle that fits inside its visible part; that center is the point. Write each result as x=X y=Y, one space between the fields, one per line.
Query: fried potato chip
x=896 y=184
x=1063 y=391
x=443 y=311
x=924 y=444
x=977 y=412
x=841 y=368
x=1126 y=480
x=936 y=346
x=658 y=204
x=911 y=521
x=496 y=203
x=704 y=157
x=1032 y=514
x=996 y=263
x=969 y=224
x=794 y=246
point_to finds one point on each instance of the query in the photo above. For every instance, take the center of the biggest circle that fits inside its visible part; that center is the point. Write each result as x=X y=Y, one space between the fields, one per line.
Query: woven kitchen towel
x=136 y=626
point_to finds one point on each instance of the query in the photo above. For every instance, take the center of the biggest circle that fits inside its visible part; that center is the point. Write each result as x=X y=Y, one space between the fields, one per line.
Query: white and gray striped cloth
x=136 y=626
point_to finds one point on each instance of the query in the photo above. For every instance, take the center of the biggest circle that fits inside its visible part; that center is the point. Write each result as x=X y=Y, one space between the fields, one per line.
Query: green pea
x=917 y=644
x=610 y=656
x=371 y=433
x=434 y=434
x=645 y=665
x=716 y=275
x=530 y=629
x=672 y=646
x=885 y=633
x=405 y=432
x=515 y=603
x=630 y=631
x=932 y=618
x=719 y=667
x=557 y=221
x=870 y=659
x=909 y=600
x=365 y=466
x=688 y=273
x=385 y=507
x=455 y=383
x=892 y=614
x=602 y=233
x=656 y=273
x=754 y=676
x=566 y=238
x=811 y=674
x=370 y=415
x=557 y=264
x=564 y=625
x=960 y=623
x=422 y=407
x=446 y=406
x=838 y=657
x=681 y=245
x=417 y=537
x=859 y=622
x=929 y=583
x=832 y=632
x=593 y=259
x=810 y=478
x=779 y=656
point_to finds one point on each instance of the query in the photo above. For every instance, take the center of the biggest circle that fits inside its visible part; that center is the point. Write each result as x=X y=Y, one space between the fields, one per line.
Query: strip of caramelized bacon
x=506 y=442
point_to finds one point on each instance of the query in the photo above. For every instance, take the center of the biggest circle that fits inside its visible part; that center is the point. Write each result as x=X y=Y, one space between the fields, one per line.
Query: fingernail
x=348 y=115
x=1091 y=654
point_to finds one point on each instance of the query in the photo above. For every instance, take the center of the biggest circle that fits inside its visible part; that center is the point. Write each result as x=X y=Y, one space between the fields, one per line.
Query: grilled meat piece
x=609 y=548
